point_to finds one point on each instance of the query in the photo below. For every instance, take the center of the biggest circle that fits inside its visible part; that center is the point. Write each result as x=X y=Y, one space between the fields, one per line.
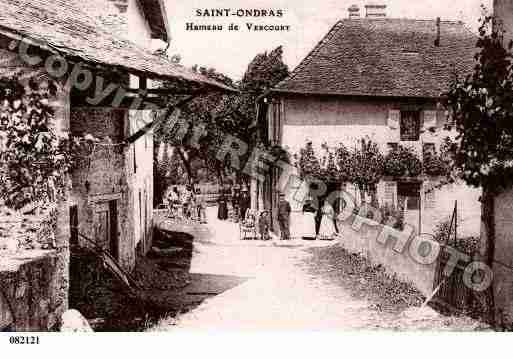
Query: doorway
x=106 y=227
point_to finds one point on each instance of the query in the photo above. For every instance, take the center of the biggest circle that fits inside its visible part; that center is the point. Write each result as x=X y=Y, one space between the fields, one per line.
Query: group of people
x=310 y=219
x=190 y=204
x=240 y=202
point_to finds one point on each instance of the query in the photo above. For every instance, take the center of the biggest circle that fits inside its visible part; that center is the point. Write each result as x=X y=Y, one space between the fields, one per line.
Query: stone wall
x=102 y=177
x=365 y=242
x=34 y=278
x=503 y=265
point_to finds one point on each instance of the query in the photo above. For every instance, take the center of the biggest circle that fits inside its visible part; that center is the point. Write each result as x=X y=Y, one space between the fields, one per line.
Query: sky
x=230 y=52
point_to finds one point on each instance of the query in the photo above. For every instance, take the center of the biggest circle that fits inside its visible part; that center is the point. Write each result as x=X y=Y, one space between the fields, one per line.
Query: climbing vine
x=34 y=157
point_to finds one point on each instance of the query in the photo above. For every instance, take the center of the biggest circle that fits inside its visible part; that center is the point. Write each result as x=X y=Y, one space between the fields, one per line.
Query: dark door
x=114 y=240
x=106 y=227
x=73 y=223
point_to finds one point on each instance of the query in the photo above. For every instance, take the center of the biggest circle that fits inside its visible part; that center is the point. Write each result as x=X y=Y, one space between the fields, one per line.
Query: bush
x=402 y=162
x=434 y=165
x=444 y=234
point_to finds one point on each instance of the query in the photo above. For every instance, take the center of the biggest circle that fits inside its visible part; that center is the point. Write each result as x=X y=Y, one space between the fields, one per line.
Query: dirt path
x=289 y=287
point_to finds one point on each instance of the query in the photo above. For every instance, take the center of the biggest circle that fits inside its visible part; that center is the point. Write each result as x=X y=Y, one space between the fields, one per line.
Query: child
x=264 y=226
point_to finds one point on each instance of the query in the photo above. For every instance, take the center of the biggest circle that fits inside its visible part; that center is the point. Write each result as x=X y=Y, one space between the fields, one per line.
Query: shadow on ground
x=168 y=287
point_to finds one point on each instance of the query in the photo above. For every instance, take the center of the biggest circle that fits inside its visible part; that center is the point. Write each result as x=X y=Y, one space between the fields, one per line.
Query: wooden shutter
x=429 y=120
x=393 y=119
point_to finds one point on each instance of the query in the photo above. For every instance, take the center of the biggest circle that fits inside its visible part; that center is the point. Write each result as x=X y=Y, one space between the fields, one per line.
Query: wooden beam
x=169 y=110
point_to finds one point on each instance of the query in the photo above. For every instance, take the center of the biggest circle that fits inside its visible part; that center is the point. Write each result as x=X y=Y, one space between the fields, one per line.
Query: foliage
x=33 y=160
x=482 y=107
x=307 y=162
x=224 y=114
x=366 y=165
x=434 y=165
x=445 y=234
x=343 y=161
x=402 y=162
x=329 y=169
x=265 y=71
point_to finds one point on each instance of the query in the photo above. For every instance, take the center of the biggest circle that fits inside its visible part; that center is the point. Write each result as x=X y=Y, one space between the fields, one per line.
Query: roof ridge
x=456 y=22
x=308 y=57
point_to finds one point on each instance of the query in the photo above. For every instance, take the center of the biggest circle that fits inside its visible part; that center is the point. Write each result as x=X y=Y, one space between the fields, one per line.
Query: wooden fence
x=452 y=294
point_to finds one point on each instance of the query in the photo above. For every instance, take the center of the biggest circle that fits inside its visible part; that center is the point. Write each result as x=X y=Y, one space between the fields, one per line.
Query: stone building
x=379 y=78
x=99 y=54
x=503 y=212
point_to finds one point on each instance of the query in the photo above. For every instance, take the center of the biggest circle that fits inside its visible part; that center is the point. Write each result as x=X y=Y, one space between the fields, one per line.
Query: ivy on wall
x=34 y=158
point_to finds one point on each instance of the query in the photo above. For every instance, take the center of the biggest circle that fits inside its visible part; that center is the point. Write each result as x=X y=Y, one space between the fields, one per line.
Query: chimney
x=354 y=12
x=122 y=5
x=437 y=40
x=375 y=11
x=113 y=15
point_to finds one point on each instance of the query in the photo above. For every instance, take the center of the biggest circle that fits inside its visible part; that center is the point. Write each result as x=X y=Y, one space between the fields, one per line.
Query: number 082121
x=24 y=340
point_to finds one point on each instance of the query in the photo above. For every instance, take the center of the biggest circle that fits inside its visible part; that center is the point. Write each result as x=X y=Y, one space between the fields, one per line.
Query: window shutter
x=429 y=119
x=394 y=117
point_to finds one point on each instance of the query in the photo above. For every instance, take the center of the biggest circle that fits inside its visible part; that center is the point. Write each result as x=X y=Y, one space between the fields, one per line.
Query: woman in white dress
x=308 y=230
x=327 y=229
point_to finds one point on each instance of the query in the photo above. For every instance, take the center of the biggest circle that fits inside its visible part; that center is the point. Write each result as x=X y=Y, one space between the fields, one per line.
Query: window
x=410 y=125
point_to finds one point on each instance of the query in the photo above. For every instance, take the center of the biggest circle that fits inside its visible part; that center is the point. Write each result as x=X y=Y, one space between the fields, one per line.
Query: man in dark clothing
x=244 y=203
x=284 y=218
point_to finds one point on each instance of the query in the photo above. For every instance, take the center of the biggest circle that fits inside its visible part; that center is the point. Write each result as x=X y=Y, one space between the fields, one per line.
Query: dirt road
x=277 y=286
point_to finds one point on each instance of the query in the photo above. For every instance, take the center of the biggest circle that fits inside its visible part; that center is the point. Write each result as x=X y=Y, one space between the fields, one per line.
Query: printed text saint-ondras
x=226 y=12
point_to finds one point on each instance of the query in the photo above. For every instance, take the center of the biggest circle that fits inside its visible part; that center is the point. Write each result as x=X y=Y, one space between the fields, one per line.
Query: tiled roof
x=63 y=27
x=385 y=57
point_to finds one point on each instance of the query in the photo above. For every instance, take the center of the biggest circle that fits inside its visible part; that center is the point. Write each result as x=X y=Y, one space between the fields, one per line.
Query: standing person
x=235 y=202
x=284 y=210
x=264 y=225
x=309 y=227
x=327 y=230
x=201 y=207
x=222 y=209
x=173 y=201
x=244 y=203
x=186 y=202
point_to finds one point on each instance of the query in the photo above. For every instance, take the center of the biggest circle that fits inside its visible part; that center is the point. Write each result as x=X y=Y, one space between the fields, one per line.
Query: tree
x=343 y=161
x=402 y=162
x=205 y=113
x=307 y=162
x=224 y=114
x=367 y=168
x=482 y=108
